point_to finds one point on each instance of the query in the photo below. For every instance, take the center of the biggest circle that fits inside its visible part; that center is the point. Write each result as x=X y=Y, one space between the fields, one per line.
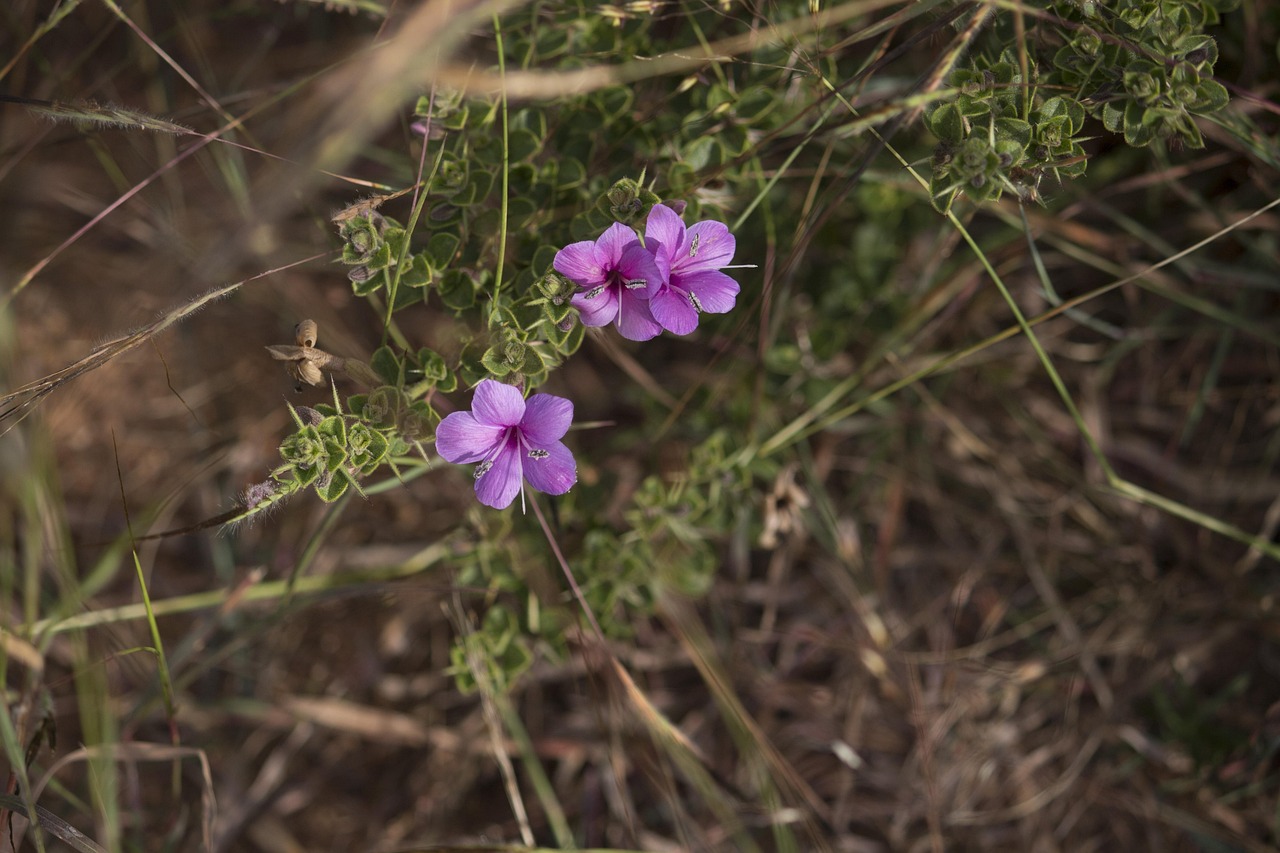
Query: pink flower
x=689 y=261
x=615 y=275
x=514 y=440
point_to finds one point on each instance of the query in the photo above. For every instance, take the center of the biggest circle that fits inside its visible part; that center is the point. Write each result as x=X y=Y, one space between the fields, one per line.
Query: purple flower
x=690 y=261
x=616 y=274
x=514 y=440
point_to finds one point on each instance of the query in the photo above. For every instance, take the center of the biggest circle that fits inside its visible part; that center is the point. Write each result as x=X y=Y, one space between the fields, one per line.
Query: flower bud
x=306 y=333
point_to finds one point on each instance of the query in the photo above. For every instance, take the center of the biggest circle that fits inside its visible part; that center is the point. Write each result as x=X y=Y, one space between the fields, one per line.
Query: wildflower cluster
x=663 y=283
x=643 y=287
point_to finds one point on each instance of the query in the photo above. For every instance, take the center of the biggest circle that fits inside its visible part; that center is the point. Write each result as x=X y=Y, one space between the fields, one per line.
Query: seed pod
x=309 y=416
x=306 y=371
x=362 y=373
x=306 y=333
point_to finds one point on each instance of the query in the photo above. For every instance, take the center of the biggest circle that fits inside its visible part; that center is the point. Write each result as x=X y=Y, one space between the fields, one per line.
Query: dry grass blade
x=354 y=7
x=686 y=625
x=90 y=114
x=360 y=720
x=147 y=752
x=555 y=84
x=54 y=825
x=20 y=651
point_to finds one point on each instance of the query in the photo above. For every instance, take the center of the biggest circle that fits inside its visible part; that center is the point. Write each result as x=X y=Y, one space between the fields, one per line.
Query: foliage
x=1015 y=115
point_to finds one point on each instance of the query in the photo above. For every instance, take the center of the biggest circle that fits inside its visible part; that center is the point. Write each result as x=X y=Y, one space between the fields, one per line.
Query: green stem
x=506 y=169
x=268 y=591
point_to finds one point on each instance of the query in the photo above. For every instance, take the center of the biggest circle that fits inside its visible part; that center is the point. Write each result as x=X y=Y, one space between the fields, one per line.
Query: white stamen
x=594 y=292
x=633 y=283
x=483 y=468
x=693 y=300
x=539 y=454
x=693 y=247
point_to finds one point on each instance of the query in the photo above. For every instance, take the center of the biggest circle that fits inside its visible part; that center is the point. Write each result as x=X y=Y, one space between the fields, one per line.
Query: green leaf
x=441 y=248
x=457 y=290
x=477 y=188
x=543 y=259
x=1067 y=110
x=613 y=102
x=573 y=339
x=556 y=312
x=754 y=104
x=369 y=285
x=418 y=273
x=522 y=144
x=571 y=174
x=333 y=488
x=1211 y=96
x=305 y=475
x=1013 y=130
x=1113 y=116
x=433 y=364
x=495 y=362
x=702 y=153
x=380 y=258
x=552 y=42
x=532 y=363
x=946 y=123
x=336 y=455
x=333 y=428
x=457 y=120
x=386 y=365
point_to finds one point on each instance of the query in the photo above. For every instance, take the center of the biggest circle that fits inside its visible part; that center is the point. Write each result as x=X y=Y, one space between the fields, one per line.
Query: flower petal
x=546 y=419
x=673 y=310
x=715 y=291
x=708 y=246
x=597 y=306
x=613 y=242
x=640 y=274
x=497 y=404
x=663 y=231
x=555 y=473
x=635 y=320
x=460 y=438
x=581 y=263
x=499 y=484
